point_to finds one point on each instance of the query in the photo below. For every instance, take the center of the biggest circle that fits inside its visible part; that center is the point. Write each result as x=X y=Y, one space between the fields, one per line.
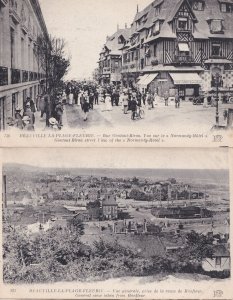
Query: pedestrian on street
x=149 y=100
x=177 y=100
x=18 y=118
x=82 y=100
x=117 y=97
x=133 y=108
x=28 y=113
x=85 y=109
x=27 y=123
x=108 y=102
x=91 y=100
x=125 y=101
x=96 y=96
x=166 y=96
x=59 y=113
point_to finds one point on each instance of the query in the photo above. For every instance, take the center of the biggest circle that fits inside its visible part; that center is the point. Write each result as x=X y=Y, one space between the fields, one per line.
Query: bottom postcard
x=116 y=223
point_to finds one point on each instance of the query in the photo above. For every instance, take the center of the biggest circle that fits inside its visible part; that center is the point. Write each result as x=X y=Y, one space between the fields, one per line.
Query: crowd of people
x=50 y=107
x=86 y=95
x=132 y=100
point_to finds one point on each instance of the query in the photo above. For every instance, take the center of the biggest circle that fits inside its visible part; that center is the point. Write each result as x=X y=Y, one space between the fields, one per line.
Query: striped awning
x=186 y=78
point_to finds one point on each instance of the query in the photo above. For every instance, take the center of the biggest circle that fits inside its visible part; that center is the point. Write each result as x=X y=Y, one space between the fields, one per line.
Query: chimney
x=4 y=197
x=126 y=26
x=137 y=9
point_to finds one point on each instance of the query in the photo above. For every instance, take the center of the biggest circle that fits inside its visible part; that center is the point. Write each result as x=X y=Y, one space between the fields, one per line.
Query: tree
x=52 y=59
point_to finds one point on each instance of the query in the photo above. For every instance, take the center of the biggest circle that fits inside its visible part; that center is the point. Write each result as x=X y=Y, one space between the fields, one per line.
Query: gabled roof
x=177 y=6
x=168 y=11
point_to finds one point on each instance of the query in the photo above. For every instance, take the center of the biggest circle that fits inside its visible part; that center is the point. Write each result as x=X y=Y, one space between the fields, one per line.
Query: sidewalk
x=40 y=123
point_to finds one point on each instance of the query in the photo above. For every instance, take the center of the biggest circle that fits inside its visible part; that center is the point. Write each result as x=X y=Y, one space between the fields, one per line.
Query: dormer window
x=182 y=24
x=157 y=10
x=226 y=7
x=216 y=26
x=156 y=28
x=198 y=5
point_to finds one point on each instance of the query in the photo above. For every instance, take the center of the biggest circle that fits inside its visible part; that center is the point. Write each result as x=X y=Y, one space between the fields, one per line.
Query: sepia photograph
x=70 y=216
x=138 y=64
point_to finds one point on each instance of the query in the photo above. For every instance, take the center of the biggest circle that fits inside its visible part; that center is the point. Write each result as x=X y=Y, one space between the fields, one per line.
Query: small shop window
x=182 y=23
x=216 y=49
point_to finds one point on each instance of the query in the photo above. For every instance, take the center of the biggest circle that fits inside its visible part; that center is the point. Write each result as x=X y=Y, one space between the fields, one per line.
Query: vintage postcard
x=78 y=73
x=116 y=223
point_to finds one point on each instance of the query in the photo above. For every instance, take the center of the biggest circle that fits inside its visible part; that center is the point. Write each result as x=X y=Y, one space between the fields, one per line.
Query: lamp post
x=217 y=79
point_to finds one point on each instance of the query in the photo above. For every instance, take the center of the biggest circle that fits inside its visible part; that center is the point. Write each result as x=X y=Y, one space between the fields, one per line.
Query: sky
x=135 y=158
x=85 y=24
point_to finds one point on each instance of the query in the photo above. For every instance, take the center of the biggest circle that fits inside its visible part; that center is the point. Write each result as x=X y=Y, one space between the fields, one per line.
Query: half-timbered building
x=180 y=45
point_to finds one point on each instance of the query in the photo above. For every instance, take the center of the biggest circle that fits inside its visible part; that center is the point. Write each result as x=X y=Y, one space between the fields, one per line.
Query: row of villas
x=173 y=45
x=21 y=69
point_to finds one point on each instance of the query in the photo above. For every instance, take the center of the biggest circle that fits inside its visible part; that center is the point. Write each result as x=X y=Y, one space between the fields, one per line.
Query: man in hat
x=85 y=109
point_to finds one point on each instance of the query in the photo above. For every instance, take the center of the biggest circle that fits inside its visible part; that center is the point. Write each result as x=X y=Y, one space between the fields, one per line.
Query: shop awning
x=149 y=78
x=186 y=78
x=142 y=78
x=183 y=47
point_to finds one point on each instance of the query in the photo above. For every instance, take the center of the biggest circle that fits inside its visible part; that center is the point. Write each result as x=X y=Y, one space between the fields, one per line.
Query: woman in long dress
x=71 y=97
x=108 y=103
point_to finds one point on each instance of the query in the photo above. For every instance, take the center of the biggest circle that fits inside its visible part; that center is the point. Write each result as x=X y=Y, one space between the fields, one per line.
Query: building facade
x=21 y=69
x=180 y=45
x=110 y=59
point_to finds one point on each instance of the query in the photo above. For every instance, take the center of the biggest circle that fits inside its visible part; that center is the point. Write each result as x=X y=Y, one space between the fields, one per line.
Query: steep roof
x=168 y=10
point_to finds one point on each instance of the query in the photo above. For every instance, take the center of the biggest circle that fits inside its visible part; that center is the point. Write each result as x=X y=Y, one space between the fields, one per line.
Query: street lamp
x=217 y=80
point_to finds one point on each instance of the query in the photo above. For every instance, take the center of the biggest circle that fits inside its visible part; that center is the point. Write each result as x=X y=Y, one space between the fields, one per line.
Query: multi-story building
x=110 y=60
x=21 y=68
x=180 y=45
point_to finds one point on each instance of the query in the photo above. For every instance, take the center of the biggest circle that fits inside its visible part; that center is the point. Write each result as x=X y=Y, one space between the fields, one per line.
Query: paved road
x=187 y=117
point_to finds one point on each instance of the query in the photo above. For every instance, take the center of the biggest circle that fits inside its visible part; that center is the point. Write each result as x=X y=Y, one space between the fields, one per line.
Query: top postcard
x=116 y=73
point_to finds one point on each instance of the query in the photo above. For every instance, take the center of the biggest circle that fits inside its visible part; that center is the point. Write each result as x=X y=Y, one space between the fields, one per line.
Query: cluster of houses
x=173 y=45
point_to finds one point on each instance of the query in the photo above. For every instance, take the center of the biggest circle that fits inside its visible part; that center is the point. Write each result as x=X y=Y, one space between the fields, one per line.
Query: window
x=155 y=50
x=14 y=103
x=157 y=27
x=218 y=261
x=157 y=10
x=216 y=49
x=2 y=113
x=226 y=7
x=182 y=23
x=198 y=5
x=216 y=26
x=183 y=47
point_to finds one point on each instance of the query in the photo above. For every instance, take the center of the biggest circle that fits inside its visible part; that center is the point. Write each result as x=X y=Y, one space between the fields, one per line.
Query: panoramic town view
x=90 y=223
x=166 y=63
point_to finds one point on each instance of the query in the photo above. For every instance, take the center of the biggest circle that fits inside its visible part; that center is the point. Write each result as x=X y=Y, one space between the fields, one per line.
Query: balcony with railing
x=183 y=60
x=3 y=76
x=15 y=76
x=24 y=76
x=14 y=11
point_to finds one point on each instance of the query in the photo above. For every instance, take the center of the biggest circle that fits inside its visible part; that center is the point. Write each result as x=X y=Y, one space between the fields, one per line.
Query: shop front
x=187 y=84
